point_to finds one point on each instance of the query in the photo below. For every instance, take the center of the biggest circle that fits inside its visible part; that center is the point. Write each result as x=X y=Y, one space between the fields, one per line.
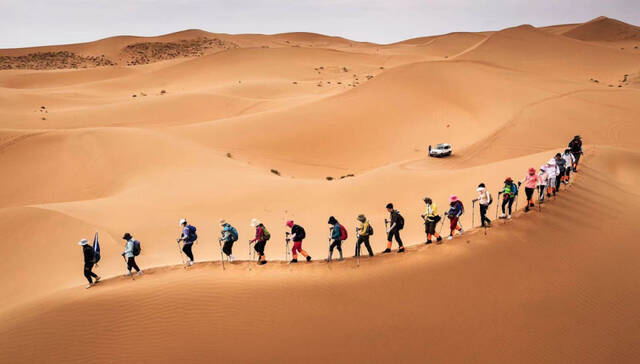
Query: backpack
x=461 y=207
x=301 y=234
x=400 y=221
x=136 y=248
x=369 y=230
x=514 y=189
x=95 y=249
x=266 y=235
x=192 y=236
x=343 y=233
x=234 y=233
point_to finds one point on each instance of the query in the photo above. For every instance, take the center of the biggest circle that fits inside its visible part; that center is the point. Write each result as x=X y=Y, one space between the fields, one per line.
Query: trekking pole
x=329 y=254
x=184 y=265
x=221 y=256
x=249 y=257
x=473 y=213
x=357 y=249
x=517 y=194
x=498 y=204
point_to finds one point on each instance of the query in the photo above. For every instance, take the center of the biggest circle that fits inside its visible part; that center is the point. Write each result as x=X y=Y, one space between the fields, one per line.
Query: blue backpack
x=192 y=236
x=234 y=233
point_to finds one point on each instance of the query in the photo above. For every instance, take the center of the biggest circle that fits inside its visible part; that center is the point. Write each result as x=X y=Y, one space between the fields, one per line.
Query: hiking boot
x=309 y=258
x=140 y=273
x=428 y=242
x=190 y=263
x=401 y=249
x=526 y=208
x=502 y=216
x=386 y=251
x=532 y=205
x=262 y=262
x=439 y=239
x=231 y=258
x=88 y=286
x=461 y=231
x=450 y=237
x=96 y=280
x=509 y=216
x=294 y=261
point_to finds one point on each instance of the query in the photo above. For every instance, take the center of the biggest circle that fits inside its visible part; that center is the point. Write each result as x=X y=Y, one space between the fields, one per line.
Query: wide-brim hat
x=126 y=236
x=255 y=222
x=83 y=242
x=223 y=222
x=290 y=223
x=453 y=198
x=183 y=221
x=362 y=218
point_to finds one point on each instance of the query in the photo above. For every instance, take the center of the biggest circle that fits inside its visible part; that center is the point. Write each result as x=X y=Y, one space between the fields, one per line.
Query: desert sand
x=131 y=134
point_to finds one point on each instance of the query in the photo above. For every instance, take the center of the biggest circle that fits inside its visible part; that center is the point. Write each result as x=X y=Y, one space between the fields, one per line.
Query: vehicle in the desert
x=441 y=150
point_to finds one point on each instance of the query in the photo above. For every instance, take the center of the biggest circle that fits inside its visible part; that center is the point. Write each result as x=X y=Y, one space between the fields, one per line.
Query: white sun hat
x=255 y=222
x=83 y=242
x=183 y=221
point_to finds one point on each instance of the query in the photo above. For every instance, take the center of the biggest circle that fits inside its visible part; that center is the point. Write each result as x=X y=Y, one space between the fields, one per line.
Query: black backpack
x=369 y=230
x=400 y=221
x=136 y=248
x=301 y=234
x=192 y=234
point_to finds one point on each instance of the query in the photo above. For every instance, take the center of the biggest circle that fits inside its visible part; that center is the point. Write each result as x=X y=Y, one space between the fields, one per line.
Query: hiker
x=297 y=235
x=543 y=177
x=510 y=193
x=561 y=163
x=456 y=210
x=130 y=250
x=338 y=234
x=576 y=149
x=87 y=251
x=188 y=237
x=569 y=162
x=484 y=200
x=397 y=224
x=229 y=236
x=431 y=219
x=364 y=232
x=530 y=182
x=262 y=236
x=552 y=170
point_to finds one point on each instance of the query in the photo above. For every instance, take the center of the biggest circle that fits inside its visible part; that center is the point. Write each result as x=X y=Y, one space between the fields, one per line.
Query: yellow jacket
x=431 y=211
x=364 y=226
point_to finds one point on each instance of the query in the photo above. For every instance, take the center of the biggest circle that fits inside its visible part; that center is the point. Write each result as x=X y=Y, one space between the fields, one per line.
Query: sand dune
x=252 y=127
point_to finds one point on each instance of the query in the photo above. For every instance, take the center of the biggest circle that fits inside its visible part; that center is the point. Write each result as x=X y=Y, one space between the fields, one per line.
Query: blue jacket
x=335 y=234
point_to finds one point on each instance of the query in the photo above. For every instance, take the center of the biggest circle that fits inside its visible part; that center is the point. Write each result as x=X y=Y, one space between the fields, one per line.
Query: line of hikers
x=547 y=180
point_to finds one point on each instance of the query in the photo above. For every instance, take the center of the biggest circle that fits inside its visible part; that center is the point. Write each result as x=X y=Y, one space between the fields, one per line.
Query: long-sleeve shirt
x=297 y=233
x=259 y=233
x=483 y=197
x=185 y=235
x=530 y=180
x=543 y=177
x=128 y=250
x=395 y=218
x=569 y=158
x=87 y=251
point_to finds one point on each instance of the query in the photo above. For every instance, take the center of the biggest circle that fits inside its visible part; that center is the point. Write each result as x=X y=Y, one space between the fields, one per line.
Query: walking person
x=509 y=193
x=456 y=209
x=338 y=234
x=484 y=200
x=543 y=178
x=397 y=223
x=431 y=219
x=552 y=170
x=260 y=240
x=576 y=149
x=297 y=234
x=188 y=237
x=87 y=252
x=570 y=160
x=530 y=182
x=561 y=163
x=229 y=236
x=364 y=232
x=132 y=248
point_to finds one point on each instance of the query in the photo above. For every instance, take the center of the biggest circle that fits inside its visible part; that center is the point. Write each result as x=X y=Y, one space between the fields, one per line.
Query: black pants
x=226 y=248
x=365 y=240
x=131 y=263
x=186 y=248
x=259 y=247
x=430 y=226
x=88 y=273
x=559 y=180
x=577 y=157
x=542 y=189
x=336 y=244
x=529 y=192
x=483 y=215
x=395 y=233
x=505 y=202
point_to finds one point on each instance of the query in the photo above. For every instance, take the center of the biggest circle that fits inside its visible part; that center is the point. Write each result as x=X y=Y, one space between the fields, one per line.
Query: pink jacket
x=530 y=181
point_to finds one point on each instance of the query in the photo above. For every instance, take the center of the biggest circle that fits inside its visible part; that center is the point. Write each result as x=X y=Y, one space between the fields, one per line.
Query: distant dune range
x=130 y=134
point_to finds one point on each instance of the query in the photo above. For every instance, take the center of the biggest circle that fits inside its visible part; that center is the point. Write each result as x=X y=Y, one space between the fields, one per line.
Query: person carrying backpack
x=552 y=170
x=431 y=219
x=569 y=162
x=338 y=235
x=229 y=236
x=397 y=224
x=543 y=178
x=561 y=163
x=509 y=193
x=530 y=182
x=261 y=238
x=131 y=250
x=576 y=149
x=456 y=210
x=364 y=232
x=297 y=234
x=484 y=200
x=87 y=252
x=188 y=237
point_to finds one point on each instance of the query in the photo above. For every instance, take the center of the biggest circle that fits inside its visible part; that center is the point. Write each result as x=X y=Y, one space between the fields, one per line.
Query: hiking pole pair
x=184 y=264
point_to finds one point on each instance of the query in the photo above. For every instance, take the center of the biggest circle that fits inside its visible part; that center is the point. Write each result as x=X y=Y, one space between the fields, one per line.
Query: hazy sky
x=39 y=22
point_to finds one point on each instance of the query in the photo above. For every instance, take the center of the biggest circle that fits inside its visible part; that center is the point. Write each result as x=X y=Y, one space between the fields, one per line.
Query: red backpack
x=343 y=233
